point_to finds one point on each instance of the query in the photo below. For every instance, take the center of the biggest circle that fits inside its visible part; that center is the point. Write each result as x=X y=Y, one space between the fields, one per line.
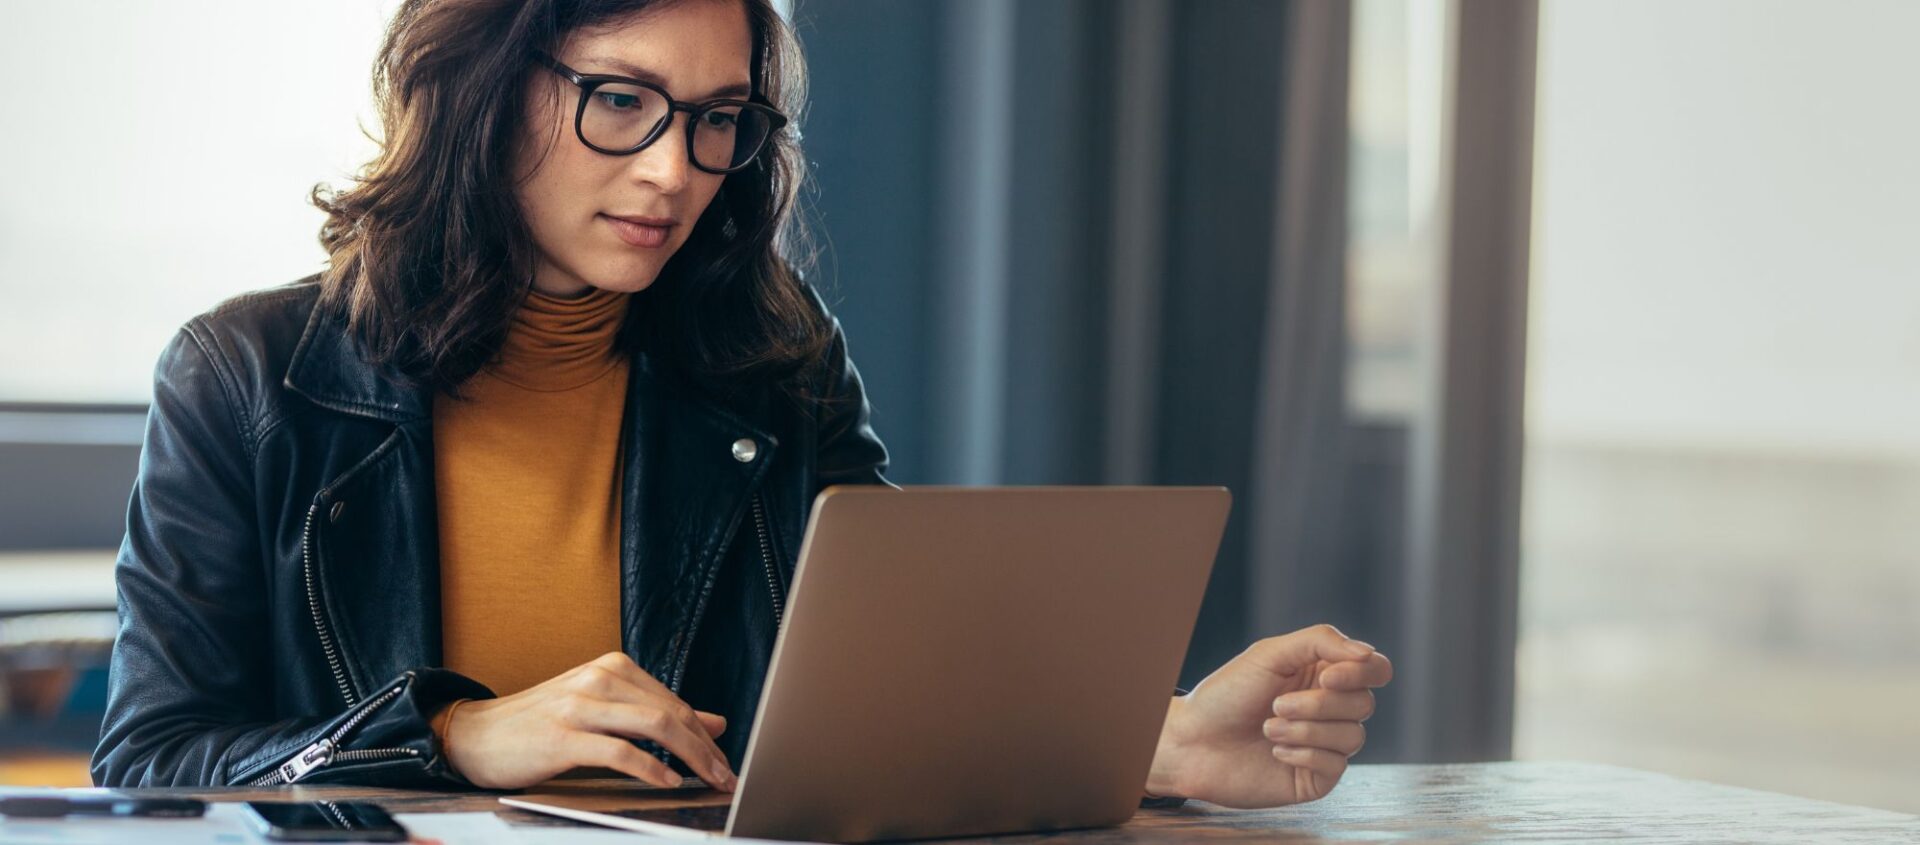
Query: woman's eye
x=721 y=120
x=617 y=100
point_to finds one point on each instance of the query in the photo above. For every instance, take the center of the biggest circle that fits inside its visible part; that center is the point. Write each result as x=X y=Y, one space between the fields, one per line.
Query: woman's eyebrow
x=625 y=68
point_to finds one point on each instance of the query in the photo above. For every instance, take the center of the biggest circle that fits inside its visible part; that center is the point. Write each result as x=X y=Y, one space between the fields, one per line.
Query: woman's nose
x=664 y=162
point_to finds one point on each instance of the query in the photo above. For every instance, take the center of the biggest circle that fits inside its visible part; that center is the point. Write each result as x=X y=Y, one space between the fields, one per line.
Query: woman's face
x=574 y=198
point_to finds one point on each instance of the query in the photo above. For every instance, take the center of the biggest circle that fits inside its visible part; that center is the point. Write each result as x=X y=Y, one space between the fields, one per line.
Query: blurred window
x=1394 y=218
x=1721 y=564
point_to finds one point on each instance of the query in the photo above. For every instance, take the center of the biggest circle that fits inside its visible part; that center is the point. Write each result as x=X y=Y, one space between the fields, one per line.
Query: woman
x=519 y=479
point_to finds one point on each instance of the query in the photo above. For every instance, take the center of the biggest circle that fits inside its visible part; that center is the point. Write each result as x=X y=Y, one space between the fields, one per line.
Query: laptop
x=959 y=661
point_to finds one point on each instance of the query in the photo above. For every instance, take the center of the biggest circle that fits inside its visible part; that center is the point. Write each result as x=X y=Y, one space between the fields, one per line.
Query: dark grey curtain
x=1463 y=556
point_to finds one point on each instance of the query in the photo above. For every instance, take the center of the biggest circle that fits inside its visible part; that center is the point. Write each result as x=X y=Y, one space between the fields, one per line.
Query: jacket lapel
x=374 y=531
x=685 y=490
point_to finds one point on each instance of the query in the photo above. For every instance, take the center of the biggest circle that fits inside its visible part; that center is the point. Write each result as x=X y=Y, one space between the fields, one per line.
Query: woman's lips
x=646 y=233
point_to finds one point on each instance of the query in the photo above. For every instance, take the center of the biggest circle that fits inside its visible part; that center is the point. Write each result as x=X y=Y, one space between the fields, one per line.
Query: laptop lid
x=965 y=661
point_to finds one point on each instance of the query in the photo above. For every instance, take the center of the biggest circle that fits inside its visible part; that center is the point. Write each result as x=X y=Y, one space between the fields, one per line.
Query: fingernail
x=1359 y=649
x=721 y=774
x=1286 y=707
x=1275 y=728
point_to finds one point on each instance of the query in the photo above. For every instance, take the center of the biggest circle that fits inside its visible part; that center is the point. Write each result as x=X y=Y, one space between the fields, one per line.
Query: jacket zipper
x=766 y=558
x=773 y=591
x=319 y=614
x=328 y=751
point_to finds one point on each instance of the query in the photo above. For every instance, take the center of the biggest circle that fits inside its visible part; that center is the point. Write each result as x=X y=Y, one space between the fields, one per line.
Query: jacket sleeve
x=190 y=691
x=849 y=450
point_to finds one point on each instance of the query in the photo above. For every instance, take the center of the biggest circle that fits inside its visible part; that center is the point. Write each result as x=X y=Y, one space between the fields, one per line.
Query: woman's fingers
x=673 y=725
x=622 y=667
x=1289 y=653
x=661 y=716
x=1326 y=766
x=587 y=716
x=591 y=749
x=1373 y=672
x=1325 y=705
x=1343 y=738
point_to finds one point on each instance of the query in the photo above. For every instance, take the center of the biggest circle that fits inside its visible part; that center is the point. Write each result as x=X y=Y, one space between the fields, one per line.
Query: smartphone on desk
x=324 y=821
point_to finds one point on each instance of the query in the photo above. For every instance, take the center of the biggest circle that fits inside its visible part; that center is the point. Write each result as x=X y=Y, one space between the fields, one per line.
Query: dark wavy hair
x=429 y=255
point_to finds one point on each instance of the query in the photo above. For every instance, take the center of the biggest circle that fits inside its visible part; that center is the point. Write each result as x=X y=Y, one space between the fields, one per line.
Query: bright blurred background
x=1721 y=565
x=1569 y=351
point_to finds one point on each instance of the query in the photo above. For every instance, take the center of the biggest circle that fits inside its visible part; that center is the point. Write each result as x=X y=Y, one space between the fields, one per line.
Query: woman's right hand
x=587 y=716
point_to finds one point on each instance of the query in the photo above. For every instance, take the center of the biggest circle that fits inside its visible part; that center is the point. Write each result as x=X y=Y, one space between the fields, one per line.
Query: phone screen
x=319 y=821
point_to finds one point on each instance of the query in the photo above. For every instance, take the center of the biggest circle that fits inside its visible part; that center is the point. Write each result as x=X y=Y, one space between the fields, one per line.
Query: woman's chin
x=625 y=279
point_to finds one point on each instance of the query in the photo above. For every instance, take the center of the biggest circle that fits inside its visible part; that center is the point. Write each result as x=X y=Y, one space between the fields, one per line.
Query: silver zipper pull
x=313 y=757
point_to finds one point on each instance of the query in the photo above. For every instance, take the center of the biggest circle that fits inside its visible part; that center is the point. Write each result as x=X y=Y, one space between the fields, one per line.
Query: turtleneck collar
x=560 y=344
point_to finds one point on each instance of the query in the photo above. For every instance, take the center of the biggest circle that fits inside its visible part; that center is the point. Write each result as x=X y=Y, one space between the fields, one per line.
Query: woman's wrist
x=443 y=729
x=1160 y=784
x=1162 y=777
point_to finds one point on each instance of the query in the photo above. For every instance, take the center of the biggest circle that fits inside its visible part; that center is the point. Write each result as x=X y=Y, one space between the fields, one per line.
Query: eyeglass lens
x=619 y=116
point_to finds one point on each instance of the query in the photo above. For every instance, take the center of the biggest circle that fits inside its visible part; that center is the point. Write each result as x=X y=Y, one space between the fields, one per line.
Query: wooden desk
x=1437 y=804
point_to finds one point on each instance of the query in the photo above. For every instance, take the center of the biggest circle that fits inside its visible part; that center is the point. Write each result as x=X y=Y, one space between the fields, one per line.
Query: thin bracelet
x=446 y=739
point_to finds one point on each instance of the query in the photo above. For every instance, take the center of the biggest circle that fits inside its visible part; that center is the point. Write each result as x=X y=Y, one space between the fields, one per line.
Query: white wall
x=156 y=158
x=1727 y=235
x=1720 y=559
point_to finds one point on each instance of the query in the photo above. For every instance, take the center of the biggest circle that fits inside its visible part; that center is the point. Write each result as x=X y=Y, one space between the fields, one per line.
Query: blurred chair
x=57 y=625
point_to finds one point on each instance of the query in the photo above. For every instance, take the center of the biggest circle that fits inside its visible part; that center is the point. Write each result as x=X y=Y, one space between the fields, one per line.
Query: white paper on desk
x=228 y=824
x=584 y=836
x=457 y=829
x=224 y=824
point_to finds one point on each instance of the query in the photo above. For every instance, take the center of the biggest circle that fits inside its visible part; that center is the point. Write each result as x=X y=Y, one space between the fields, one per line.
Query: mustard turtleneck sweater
x=527 y=468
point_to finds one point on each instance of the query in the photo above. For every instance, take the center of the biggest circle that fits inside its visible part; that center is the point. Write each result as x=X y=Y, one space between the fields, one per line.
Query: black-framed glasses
x=619 y=115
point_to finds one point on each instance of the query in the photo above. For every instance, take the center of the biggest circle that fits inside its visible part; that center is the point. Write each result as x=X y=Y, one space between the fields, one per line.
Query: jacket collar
x=329 y=370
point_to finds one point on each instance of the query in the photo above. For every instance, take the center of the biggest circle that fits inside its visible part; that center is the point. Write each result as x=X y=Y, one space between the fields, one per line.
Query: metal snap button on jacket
x=745 y=449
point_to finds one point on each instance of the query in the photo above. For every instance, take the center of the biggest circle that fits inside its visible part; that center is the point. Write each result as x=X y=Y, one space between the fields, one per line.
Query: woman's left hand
x=1274 y=725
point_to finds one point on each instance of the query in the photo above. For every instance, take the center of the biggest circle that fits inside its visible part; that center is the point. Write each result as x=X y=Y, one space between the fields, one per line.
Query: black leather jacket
x=279 y=584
